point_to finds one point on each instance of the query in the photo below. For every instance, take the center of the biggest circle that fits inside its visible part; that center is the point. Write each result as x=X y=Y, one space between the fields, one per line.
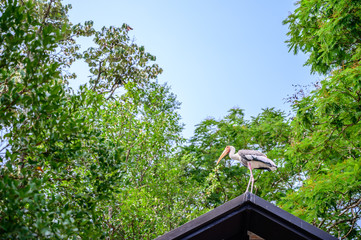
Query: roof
x=246 y=213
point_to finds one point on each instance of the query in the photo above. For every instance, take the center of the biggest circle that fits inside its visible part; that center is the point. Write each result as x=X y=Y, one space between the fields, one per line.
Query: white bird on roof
x=251 y=159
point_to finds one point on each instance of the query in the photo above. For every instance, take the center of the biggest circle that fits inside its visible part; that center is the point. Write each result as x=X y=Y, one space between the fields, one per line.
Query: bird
x=251 y=159
x=129 y=28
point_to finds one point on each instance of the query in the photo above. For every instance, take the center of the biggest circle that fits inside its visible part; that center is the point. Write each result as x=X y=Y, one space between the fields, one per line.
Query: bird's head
x=224 y=153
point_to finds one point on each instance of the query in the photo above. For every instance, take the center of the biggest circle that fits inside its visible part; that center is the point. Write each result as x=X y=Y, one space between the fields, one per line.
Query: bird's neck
x=233 y=155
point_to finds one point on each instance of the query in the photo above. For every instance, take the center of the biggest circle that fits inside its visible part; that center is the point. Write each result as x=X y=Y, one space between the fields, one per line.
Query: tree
x=91 y=163
x=328 y=30
x=139 y=133
x=32 y=91
x=325 y=150
x=102 y=163
x=268 y=132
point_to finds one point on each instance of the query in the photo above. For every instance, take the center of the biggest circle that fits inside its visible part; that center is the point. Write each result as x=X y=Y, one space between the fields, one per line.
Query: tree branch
x=352 y=206
x=352 y=225
x=4 y=147
x=45 y=16
x=99 y=73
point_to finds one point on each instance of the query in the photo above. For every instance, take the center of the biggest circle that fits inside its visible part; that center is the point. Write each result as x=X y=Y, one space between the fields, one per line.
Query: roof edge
x=246 y=201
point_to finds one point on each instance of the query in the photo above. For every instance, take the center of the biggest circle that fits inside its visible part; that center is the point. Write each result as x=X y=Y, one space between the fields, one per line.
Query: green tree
x=32 y=91
x=140 y=132
x=325 y=149
x=91 y=163
x=268 y=132
x=328 y=30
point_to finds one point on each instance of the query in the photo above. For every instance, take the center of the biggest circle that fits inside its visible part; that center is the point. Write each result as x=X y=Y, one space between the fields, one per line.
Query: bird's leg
x=251 y=179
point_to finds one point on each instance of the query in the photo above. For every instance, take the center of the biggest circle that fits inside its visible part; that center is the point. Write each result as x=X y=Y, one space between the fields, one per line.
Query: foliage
x=318 y=150
x=329 y=30
x=90 y=163
x=325 y=151
x=268 y=132
x=105 y=161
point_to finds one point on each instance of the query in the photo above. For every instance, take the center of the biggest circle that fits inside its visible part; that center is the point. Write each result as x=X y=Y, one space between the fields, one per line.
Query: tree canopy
x=109 y=161
x=325 y=147
x=89 y=163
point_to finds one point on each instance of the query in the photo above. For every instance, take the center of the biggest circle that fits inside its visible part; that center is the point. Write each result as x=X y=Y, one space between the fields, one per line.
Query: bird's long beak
x=224 y=153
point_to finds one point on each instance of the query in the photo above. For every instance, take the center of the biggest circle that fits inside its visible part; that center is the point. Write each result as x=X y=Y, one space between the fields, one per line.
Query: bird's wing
x=262 y=159
x=250 y=152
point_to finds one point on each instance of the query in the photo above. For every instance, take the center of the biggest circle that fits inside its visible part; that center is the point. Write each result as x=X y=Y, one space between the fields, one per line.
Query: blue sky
x=215 y=54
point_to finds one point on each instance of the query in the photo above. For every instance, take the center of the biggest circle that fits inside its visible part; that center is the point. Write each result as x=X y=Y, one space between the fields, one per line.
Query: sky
x=215 y=55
